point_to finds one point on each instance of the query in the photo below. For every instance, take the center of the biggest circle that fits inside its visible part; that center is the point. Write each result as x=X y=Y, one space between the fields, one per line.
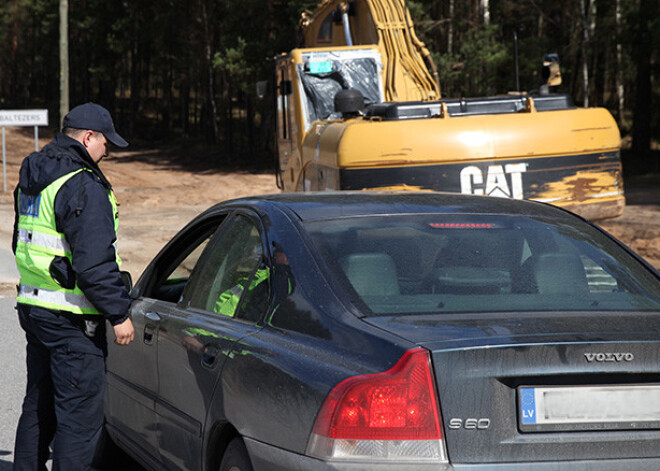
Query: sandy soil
x=157 y=196
x=639 y=225
x=160 y=191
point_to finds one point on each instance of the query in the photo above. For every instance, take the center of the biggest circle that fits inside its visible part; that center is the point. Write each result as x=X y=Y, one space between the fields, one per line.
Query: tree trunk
x=619 y=65
x=210 y=75
x=134 y=100
x=585 y=13
x=450 y=28
x=249 y=123
x=184 y=104
x=167 y=102
x=485 y=11
x=641 y=144
x=64 y=59
x=230 y=115
x=13 y=87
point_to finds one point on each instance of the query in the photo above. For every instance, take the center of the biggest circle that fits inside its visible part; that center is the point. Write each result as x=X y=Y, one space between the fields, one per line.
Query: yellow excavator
x=359 y=107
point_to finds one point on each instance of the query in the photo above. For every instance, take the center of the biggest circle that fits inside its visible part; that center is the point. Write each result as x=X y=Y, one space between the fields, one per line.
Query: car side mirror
x=127 y=279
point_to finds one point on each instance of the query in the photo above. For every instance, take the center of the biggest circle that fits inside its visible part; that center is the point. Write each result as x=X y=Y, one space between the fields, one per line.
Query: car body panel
x=266 y=457
x=191 y=354
x=481 y=383
x=195 y=378
x=455 y=331
x=133 y=385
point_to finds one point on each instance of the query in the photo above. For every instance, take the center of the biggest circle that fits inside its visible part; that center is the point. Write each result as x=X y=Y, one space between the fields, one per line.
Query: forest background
x=184 y=72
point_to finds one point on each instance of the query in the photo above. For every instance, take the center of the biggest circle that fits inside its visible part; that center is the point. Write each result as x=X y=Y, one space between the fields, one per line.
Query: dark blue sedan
x=390 y=331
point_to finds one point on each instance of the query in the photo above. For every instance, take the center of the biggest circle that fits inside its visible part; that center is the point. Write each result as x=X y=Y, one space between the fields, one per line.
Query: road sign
x=23 y=117
x=34 y=118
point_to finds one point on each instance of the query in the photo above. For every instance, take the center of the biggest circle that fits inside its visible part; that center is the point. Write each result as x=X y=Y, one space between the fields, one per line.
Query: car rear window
x=411 y=264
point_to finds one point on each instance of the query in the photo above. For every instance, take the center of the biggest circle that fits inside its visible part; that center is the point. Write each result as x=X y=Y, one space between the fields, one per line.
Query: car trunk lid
x=496 y=374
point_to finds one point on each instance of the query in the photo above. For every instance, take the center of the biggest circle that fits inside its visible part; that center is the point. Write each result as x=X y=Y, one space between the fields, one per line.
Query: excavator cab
x=307 y=81
x=317 y=75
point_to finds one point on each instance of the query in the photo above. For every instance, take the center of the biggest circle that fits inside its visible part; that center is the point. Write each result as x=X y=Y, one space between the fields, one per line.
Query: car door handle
x=209 y=355
x=152 y=316
x=149 y=330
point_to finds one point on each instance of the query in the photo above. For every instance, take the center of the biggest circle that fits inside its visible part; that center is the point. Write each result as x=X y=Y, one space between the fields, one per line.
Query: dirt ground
x=159 y=191
x=157 y=196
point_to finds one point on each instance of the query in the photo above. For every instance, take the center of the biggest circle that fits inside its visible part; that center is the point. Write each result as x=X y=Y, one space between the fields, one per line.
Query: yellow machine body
x=519 y=146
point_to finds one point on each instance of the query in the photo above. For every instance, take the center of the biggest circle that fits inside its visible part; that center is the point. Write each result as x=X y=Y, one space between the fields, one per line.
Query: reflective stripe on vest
x=59 y=300
x=46 y=241
x=39 y=242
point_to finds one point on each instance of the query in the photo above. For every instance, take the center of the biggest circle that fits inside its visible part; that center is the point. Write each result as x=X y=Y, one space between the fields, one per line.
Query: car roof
x=313 y=206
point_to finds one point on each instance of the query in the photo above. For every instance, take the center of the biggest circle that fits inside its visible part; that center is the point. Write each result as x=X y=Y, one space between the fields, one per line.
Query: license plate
x=565 y=408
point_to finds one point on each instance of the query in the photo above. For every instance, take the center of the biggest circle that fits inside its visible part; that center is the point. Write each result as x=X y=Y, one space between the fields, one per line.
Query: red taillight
x=398 y=404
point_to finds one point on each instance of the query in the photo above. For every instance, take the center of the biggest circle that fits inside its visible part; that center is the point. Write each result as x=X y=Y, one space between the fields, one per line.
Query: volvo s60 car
x=390 y=331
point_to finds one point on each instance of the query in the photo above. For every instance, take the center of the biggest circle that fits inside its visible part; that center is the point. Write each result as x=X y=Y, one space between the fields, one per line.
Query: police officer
x=65 y=234
x=228 y=300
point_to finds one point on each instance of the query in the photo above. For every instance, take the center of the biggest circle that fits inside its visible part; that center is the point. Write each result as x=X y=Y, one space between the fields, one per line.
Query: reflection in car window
x=175 y=278
x=235 y=280
x=185 y=268
x=453 y=263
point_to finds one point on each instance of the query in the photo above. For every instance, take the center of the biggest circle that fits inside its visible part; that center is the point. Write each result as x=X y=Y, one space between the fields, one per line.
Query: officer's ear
x=87 y=136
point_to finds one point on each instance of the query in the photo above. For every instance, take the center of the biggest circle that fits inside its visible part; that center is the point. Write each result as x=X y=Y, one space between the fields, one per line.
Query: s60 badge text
x=469 y=424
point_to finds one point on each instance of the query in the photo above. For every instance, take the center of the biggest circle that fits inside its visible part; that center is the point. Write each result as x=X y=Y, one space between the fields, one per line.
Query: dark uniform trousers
x=63 y=405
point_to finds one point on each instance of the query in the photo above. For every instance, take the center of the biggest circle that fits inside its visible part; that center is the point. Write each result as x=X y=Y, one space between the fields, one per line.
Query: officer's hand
x=124 y=332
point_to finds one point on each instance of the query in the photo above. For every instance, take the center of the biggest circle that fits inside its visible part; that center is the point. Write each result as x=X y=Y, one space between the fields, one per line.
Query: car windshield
x=411 y=264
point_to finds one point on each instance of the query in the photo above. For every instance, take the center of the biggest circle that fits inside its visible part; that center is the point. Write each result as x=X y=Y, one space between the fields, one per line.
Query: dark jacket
x=83 y=214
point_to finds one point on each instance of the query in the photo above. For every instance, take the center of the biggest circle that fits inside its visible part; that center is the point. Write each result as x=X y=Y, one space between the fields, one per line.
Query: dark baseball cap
x=95 y=118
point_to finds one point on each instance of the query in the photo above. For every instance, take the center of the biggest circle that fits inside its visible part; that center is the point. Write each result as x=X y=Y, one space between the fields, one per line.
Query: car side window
x=234 y=280
x=176 y=265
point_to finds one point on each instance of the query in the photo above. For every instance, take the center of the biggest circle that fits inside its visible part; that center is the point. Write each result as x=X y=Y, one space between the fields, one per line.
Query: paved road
x=12 y=371
x=12 y=356
x=12 y=362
